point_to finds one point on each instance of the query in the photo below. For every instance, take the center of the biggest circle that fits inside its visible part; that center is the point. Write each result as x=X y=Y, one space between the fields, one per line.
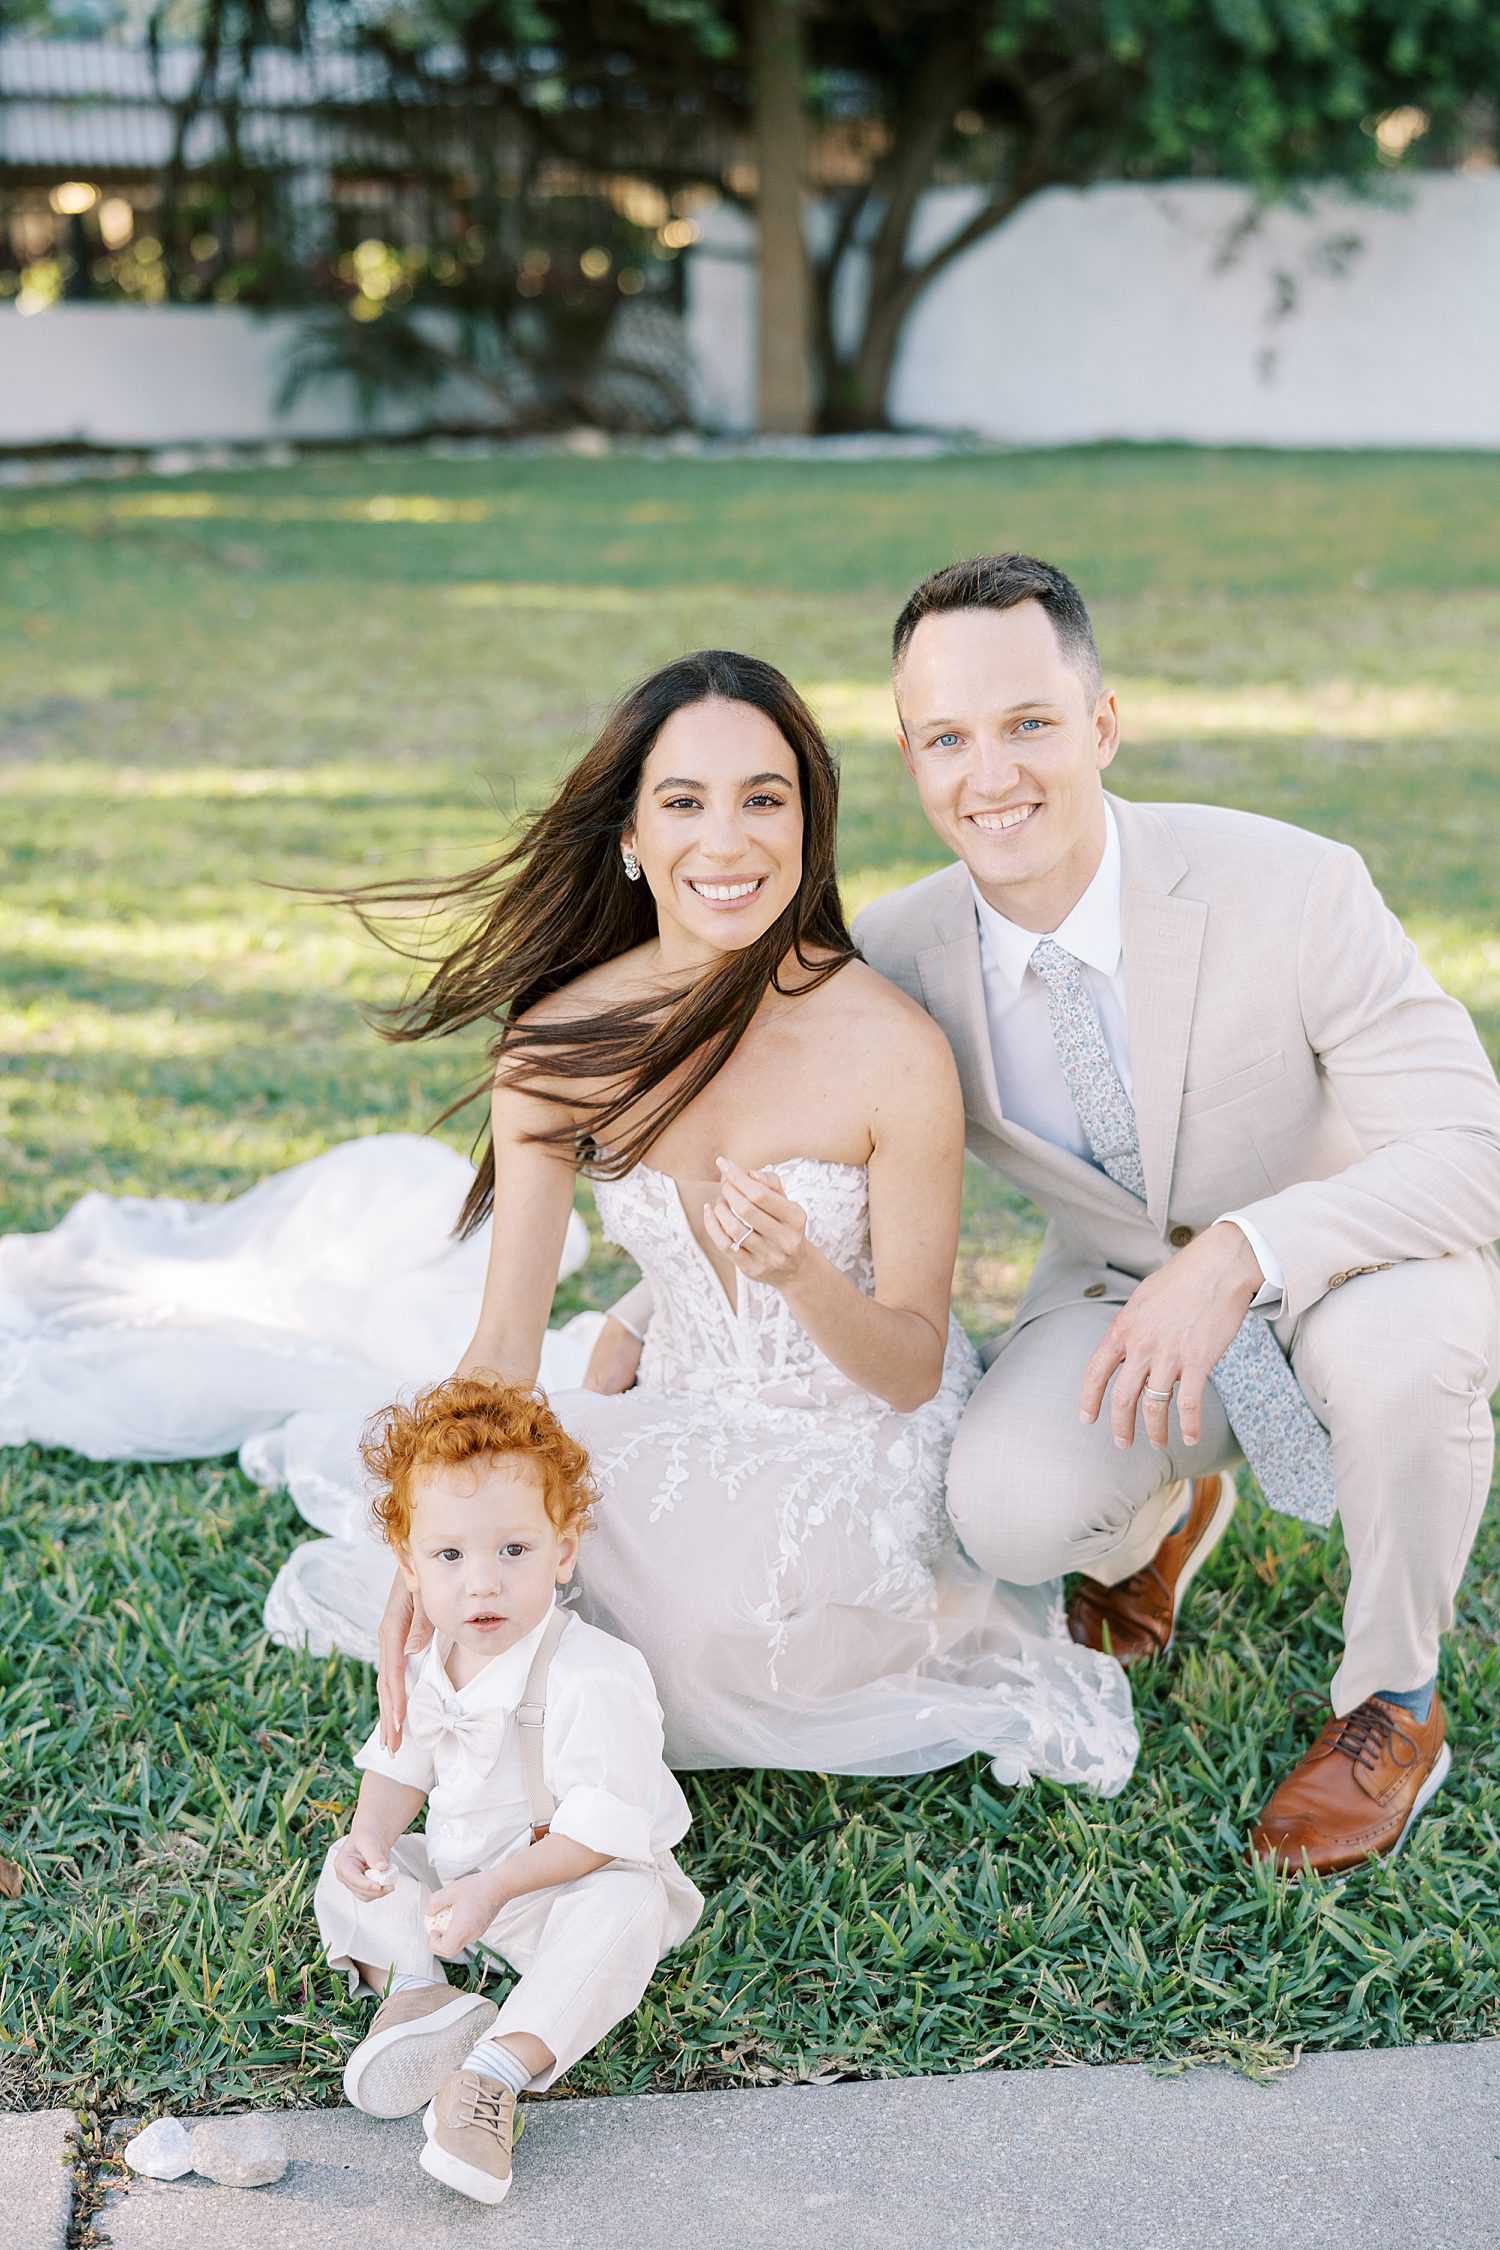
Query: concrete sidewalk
x=36 y=2188
x=1391 y=2150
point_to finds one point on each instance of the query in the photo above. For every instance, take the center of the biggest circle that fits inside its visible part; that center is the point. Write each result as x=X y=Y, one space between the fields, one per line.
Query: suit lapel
x=1163 y=940
x=953 y=984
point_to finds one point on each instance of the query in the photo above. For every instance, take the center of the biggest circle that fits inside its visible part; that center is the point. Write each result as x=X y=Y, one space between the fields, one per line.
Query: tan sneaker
x=470 y=2126
x=418 y=2038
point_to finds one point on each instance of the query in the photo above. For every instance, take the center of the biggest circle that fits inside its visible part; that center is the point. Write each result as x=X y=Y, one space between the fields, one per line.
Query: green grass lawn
x=225 y=683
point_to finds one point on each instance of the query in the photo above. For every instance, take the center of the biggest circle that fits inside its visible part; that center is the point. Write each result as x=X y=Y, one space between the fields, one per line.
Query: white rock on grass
x=161 y=2150
x=242 y=2152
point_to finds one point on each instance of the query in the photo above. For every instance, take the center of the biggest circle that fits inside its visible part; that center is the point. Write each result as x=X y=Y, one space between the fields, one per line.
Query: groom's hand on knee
x=1171 y=1334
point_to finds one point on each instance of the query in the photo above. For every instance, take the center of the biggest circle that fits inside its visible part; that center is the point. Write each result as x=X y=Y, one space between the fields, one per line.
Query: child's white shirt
x=601 y=1753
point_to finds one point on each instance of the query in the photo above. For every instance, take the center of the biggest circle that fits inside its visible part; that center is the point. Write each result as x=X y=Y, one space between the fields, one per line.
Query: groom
x=1268 y=1149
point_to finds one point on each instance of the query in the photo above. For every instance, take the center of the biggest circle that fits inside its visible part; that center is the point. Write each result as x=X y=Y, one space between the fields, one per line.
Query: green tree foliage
x=1006 y=96
x=1274 y=93
x=1011 y=97
x=1021 y=95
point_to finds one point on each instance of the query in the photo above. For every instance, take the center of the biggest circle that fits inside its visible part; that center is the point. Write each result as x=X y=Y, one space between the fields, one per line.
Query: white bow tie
x=429 y=1719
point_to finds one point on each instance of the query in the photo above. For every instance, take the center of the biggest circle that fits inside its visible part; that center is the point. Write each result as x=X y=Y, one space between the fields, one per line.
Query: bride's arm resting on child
x=533 y=1197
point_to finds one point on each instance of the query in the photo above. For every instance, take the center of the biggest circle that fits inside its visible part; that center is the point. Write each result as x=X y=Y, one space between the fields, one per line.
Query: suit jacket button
x=1180 y=1237
x=1094 y=1289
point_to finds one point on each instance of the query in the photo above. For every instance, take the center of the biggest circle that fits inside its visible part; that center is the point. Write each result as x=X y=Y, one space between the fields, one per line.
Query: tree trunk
x=856 y=385
x=783 y=325
x=862 y=400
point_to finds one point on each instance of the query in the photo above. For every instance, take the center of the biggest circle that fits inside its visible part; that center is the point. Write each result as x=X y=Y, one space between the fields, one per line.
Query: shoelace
x=1366 y=1732
x=483 y=2105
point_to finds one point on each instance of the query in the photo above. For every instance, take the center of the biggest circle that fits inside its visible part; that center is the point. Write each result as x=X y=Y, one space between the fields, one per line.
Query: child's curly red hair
x=472 y=1418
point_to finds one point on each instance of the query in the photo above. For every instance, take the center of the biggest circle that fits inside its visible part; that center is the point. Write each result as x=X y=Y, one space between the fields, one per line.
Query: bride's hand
x=404 y=1628
x=776 y=1245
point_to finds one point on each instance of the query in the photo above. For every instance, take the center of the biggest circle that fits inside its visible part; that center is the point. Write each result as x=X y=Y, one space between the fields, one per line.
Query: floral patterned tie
x=1277 y=1431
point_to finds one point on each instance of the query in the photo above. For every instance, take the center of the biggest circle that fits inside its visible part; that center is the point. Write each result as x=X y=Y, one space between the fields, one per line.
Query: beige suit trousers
x=585 y=1951
x=1399 y=1366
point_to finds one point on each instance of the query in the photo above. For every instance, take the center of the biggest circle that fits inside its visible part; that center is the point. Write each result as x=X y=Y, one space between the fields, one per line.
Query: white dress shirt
x=1028 y=1075
x=601 y=1753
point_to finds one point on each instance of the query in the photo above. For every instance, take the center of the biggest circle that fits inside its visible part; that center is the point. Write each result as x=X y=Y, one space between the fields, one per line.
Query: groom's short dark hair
x=1001 y=582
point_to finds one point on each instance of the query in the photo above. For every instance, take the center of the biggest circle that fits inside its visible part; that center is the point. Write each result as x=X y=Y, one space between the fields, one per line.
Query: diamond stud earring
x=632 y=867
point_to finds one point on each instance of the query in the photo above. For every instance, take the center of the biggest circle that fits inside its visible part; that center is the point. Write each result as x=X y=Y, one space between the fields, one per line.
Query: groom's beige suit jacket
x=1291 y=1057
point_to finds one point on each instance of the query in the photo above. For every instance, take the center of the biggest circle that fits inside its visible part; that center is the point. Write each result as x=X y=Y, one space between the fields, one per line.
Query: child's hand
x=359 y=1868
x=459 y=1913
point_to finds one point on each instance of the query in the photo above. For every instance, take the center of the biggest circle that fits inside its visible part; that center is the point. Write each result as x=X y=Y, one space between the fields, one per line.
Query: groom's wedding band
x=1149 y=1393
x=741 y=1240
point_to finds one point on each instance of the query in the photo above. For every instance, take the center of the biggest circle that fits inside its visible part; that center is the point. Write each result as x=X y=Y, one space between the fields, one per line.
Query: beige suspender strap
x=531 y=1711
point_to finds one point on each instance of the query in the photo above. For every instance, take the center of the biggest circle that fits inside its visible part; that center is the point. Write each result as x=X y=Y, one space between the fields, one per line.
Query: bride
x=775 y=1135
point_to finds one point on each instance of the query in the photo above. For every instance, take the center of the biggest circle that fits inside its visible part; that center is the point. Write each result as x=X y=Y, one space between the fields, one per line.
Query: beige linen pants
x=585 y=1951
x=1398 y=1365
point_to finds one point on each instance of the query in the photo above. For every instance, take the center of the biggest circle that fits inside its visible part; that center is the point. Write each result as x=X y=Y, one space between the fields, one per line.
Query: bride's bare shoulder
x=869 y=1006
x=595 y=991
x=524 y=1086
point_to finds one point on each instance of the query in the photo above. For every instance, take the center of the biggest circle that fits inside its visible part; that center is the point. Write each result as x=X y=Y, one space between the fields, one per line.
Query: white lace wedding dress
x=161 y=1330
x=772 y=1537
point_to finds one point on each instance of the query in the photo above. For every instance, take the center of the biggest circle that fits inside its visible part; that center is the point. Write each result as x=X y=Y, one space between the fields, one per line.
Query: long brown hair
x=556 y=902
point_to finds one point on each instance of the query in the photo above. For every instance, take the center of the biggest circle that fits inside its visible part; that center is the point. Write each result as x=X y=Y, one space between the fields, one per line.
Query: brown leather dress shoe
x=1357 y=1792
x=1136 y=1619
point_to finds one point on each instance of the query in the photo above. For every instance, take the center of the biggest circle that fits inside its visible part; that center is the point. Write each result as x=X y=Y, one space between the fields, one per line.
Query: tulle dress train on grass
x=771 y=1537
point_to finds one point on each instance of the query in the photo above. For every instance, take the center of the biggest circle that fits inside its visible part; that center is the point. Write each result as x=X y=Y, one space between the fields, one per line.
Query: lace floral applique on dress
x=774 y=1538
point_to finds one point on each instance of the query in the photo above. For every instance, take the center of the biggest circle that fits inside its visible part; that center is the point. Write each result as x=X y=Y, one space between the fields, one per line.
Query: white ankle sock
x=493 y=2059
x=399 y=1981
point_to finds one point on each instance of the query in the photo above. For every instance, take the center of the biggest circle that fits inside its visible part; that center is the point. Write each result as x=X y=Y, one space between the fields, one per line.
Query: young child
x=535 y=1742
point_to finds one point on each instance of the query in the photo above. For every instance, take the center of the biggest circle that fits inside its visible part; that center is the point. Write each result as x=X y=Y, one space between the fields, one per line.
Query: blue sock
x=493 y=2059
x=1417 y=1700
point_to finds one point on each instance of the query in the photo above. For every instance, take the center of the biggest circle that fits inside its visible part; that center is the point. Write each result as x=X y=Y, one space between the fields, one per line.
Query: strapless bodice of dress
x=753 y=1348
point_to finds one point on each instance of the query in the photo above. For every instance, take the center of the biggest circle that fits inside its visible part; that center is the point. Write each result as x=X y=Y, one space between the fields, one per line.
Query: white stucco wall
x=132 y=375
x=1102 y=313
x=1099 y=313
